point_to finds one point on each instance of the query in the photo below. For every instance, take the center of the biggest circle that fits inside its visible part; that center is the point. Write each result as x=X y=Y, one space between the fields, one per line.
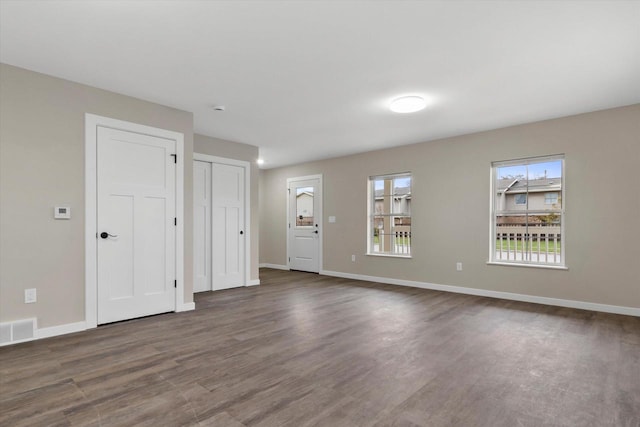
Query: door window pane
x=304 y=206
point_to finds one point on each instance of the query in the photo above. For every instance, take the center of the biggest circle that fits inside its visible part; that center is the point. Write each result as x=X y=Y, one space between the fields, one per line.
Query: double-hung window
x=389 y=222
x=527 y=221
x=520 y=199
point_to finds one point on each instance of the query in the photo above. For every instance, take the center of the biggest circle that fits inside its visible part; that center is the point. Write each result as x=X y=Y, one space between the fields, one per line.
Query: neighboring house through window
x=389 y=222
x=528 y=211
x=550 y=198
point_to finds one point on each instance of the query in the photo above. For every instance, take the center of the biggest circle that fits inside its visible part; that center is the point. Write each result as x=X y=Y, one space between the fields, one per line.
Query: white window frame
x=371 y=213
x=492 y=207
x=546 y=198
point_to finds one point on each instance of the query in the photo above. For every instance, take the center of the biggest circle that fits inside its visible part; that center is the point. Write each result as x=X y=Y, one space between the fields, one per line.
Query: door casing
x=320 y=216
x=92 y=122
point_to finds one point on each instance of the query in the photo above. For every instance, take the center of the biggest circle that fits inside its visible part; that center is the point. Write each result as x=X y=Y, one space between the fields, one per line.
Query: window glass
x=304 y=206
x=528 y=216
x=550 y=198
x=390 y=215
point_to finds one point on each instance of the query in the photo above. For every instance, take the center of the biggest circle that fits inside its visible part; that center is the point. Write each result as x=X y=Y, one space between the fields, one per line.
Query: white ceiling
x=308 y=80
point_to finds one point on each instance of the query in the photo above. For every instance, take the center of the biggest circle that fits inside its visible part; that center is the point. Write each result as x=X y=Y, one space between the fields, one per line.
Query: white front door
x=201 y=226
x=227 y=225
x=305 y=221
x=136 y=238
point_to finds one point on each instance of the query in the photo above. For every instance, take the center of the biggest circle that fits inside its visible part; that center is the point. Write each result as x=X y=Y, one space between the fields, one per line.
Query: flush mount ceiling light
x=408 y=104
x=219 y=108
x=260 y=161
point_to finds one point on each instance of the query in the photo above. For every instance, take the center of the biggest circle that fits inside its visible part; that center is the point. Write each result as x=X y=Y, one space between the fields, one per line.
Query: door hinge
x=289 y=259
x=175 y=158
x=289 y=225
x=175 y=221
x=175 y=283
x=289 y=190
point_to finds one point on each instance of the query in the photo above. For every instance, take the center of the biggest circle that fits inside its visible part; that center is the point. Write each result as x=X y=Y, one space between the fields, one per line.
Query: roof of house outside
x=534 y=185
x=398 y=191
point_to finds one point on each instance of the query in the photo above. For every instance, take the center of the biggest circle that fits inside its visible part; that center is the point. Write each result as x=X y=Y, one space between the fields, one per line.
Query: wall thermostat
x=62 y=212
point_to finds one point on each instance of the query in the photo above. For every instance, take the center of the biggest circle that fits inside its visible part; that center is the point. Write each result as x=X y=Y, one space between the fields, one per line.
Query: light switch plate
x=30 y=296
x=332 y=219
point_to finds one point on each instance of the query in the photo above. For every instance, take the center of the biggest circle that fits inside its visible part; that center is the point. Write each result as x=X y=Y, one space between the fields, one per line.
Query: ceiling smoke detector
x=219 y=108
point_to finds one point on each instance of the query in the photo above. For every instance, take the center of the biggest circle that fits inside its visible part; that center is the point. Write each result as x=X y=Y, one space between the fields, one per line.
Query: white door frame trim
x=247 y=205
x=92 y=122
x=286 y=224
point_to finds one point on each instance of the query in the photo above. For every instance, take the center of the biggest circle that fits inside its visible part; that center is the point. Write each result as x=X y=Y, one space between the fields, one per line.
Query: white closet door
x=202 y=226
x=228 y=233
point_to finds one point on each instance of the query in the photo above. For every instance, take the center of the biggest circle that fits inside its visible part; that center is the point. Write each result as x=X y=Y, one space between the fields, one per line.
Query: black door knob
x=241 y=232
x=104 y=234
x=316 y=231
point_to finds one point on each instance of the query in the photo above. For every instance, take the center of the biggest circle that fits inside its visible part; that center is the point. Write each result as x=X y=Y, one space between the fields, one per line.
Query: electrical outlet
x=458 y=266
x=30 y=296
x=353 y=258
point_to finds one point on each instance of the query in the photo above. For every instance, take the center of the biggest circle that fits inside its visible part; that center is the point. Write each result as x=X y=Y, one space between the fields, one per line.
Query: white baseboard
x=187 y=306
x=275 y=266
x=616 y=309
x=67 y=328
x=254 y=282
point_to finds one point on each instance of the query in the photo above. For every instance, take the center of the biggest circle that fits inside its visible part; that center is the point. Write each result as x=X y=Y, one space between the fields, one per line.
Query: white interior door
x=136 y=247
x=305 y=221
x=201 y=226
x=228 y=226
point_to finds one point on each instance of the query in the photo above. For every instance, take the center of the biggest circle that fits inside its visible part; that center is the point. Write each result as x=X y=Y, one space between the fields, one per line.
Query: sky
x=398 y=183
x=536 y=170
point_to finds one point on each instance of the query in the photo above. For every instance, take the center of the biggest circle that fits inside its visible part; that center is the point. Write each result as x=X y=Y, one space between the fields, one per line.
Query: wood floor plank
x=308 y=350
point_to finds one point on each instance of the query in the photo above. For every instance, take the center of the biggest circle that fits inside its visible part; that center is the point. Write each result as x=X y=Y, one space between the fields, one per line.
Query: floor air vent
x=16 y=331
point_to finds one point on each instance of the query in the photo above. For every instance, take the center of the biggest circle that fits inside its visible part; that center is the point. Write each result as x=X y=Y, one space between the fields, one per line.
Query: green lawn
x=517 y=245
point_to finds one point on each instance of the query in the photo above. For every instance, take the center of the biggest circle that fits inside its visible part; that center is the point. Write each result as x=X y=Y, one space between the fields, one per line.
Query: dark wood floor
x=303 y=349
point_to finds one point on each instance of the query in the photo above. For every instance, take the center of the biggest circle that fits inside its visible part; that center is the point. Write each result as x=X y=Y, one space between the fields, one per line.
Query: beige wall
x=249 y=153
x=41 y=165
x=450 y=203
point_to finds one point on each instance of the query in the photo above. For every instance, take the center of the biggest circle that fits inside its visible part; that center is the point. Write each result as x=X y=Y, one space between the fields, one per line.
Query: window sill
x=389 y=255
x=518 y=264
